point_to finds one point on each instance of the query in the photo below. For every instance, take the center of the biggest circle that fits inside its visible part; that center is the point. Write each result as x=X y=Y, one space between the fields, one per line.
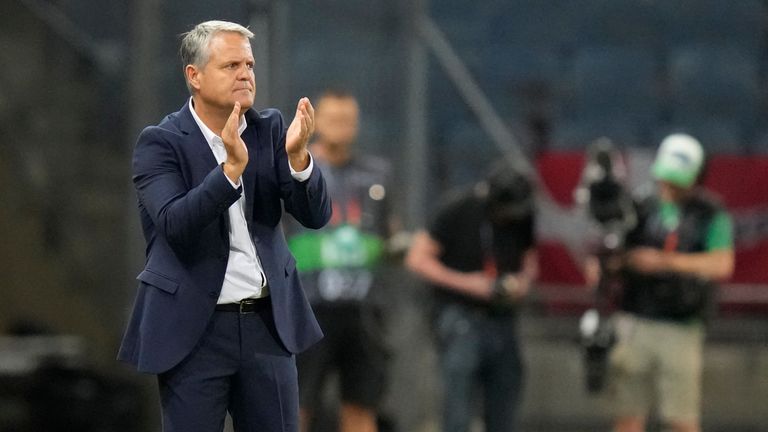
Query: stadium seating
x=641 y=67
x=614 y=81
x=547 y=24
x=519 y=79
x=578 y=134
x=714 y=22
x=713 y=83
x=467 y=142
x=759 y=143
x=612 y=22
x=611 y=91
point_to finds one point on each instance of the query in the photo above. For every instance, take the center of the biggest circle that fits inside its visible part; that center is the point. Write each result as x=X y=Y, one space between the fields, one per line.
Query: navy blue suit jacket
x=183 y=197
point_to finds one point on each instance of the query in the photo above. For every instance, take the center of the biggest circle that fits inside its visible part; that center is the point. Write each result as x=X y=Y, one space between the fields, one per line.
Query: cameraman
x=479 y=254
x=681 y=245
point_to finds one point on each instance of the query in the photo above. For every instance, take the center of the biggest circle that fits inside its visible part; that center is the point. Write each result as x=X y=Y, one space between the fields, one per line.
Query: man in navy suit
x=220 y=312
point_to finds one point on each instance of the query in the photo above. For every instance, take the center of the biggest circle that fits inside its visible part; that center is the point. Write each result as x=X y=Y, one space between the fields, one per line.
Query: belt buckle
x=246 y=302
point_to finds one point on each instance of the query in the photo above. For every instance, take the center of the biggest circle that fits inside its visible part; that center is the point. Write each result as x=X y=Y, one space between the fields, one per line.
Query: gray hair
x=195 y=43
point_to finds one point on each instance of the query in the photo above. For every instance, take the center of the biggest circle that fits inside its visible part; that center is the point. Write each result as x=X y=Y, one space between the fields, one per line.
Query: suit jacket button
x=213 y=294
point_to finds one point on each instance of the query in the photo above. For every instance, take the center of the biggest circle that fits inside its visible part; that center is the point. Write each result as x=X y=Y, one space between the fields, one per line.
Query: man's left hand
x=648 y=260
x=297 y=137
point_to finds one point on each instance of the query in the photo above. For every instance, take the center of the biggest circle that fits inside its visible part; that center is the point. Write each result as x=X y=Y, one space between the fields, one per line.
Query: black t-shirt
x=471 y=243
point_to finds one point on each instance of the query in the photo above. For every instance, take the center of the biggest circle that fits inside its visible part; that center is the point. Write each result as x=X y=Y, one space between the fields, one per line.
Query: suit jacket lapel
x=250 y=136
x=201 y=157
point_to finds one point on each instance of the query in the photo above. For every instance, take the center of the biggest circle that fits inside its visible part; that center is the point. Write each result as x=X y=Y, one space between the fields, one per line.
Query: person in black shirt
x=479 y=255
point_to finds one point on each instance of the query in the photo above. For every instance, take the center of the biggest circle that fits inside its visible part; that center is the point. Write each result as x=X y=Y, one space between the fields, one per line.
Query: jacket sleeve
x=178 y=211
x=308 y=201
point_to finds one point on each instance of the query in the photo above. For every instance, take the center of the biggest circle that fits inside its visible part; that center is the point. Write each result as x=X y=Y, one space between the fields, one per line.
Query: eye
x=249 y=66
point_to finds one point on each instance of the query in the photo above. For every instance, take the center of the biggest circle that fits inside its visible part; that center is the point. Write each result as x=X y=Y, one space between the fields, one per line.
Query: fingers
x=233 y=121
x=306 y=113
x=234 y=118
x=301 y=128
x=304 y=122
x=310 y=109
x=302 y=102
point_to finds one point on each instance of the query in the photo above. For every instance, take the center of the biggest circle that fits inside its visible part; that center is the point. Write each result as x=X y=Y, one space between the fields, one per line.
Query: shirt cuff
x=234 y=185
x=302 y=175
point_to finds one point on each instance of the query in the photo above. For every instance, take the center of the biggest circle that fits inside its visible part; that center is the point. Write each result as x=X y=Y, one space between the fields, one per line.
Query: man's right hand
x=237 y=153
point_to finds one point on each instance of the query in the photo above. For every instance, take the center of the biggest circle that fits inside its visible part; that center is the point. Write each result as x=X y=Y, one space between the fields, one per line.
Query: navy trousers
x=241 y=367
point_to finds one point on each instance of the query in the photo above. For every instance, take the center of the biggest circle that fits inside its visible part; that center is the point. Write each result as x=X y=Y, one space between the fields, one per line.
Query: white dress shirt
x=244 y=277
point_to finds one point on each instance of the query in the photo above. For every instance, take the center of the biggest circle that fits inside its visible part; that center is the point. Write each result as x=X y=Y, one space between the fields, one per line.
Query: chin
x=245 y=103
x=245 y=98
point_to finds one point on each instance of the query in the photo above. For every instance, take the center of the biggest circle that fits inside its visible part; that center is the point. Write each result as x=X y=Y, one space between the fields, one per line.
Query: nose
x=243 y=73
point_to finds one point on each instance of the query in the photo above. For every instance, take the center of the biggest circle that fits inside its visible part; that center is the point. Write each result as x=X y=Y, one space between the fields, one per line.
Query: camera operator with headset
x=681 y=244
x=478 y=253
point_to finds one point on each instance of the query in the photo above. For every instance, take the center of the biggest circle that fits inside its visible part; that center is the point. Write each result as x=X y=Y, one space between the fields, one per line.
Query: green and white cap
x=678 y=160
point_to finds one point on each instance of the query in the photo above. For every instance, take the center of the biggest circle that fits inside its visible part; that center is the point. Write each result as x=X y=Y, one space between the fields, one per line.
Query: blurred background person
x=479 y=255
x=682 y=244
x=340 y=269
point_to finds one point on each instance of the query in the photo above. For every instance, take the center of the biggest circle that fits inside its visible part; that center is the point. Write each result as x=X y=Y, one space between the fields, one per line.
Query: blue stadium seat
x=519 y=79
x=467 y=153
x=455 y=10
x=578 y=134
x=739 y=22
x=444 y=102
x=611 y=83
x=617 y=22
x=538 y=23
x=709 y=82
x=758 y=144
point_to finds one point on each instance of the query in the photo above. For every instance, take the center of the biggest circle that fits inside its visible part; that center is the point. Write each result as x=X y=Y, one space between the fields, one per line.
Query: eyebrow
x=236 y=59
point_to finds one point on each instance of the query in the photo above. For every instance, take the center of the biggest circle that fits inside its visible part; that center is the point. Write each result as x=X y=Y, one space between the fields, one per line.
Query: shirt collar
x=207 y=132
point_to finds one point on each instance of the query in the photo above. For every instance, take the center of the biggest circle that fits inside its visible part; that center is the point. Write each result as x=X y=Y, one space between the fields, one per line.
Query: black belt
x=244 y=306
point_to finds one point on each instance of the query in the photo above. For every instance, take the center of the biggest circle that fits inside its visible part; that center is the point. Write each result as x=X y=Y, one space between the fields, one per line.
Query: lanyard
x=490 y=266
x=671 y=241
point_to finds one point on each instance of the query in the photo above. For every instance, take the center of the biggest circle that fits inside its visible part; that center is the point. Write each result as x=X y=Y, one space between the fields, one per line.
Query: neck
x=334 y=155
x=214 y=118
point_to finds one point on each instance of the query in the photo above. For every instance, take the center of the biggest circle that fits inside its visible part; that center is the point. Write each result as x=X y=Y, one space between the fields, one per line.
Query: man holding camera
x=479 y=255
x=681 y=245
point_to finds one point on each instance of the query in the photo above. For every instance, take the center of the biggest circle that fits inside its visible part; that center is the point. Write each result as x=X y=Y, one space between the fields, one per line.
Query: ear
x=192 y=74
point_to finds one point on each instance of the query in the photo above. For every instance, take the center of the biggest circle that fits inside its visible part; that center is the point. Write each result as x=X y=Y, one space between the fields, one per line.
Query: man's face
x=228 y=76
x=336 y=121
x=672 y=193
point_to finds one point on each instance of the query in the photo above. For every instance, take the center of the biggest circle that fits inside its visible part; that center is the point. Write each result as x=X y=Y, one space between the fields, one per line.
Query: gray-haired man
x=220 y=312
